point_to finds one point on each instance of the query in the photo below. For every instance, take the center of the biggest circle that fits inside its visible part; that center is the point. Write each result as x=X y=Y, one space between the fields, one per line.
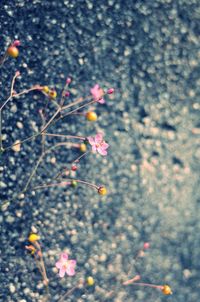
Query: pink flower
x=98 y=144
x=97 y=94
x=65 y=265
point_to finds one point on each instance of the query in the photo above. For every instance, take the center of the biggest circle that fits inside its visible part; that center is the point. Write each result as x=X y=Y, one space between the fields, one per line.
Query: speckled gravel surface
x=149 y=52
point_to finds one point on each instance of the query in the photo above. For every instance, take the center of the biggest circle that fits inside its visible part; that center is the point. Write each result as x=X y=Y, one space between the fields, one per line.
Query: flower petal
x=101 y=101
x=94 y=91
x=91 y=140
x=98 y=138
x=102 y=151
x=59 y=264
x=64 y=257
x=70 y=271
x=104 y=145
x=94 y=148
x=62 y=272
x=72 y=263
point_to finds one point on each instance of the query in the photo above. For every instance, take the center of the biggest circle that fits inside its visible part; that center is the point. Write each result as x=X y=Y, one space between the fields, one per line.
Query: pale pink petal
x=91 y=140
x=102 y=151
x=104 y=145
x=62 y=272
x=98 y=138
x=101 y=101
x=94 y=91
x=70 y=271
x=94 y=148
x=63 y=257
x=72 y=263
x=59 y=264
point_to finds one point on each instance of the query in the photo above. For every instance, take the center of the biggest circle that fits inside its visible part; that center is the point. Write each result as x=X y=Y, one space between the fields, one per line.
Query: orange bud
x=102 y=191
x=166 y=290
x=83 y=147
x=91 y=116
x=13 y=51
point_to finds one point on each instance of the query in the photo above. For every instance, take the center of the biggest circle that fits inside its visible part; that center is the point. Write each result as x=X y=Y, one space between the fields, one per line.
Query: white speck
x=12 y=288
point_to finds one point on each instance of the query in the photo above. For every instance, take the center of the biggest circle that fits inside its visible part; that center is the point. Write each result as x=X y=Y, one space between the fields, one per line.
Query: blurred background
x=149 y=52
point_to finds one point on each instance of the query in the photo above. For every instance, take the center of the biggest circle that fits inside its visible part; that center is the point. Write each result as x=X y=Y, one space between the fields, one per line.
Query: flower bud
x=33 y=237
x=45 y=89
x=67 y=93
x=53 y=94
x=90 y=281
x=146 y=245
x=83 y=147
x=16 y=43
x=31 y=249
x=91 y=116
x=68 y=81
x=110 y=90
x=166 y=290
x=74 y=168
x=13 y=52
x=102 y=191
x=74 y=183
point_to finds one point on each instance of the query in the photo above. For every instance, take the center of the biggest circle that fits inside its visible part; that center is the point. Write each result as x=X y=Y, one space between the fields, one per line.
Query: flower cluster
x=65 y=266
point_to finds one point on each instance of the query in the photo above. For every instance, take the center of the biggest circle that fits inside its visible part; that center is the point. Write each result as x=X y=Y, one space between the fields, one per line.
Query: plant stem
x=2 y=60
x=64 y=136
x=38 y=163
x=1 y=143
x=68 y=293
x=33 y=172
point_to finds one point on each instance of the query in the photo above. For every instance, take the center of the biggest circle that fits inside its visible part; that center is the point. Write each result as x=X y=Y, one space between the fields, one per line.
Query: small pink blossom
x=66 y=266
x=98 y=144
x=97 y=94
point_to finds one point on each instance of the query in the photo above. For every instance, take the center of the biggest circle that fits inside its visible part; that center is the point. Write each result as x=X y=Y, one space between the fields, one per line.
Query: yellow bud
x=102 y=191
x=45 y=89
x=53 y=94
x=33 y=237
x=13 y=51
x=90 y=281
x=83 y=147
x=91 y=116
x=166 y=290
